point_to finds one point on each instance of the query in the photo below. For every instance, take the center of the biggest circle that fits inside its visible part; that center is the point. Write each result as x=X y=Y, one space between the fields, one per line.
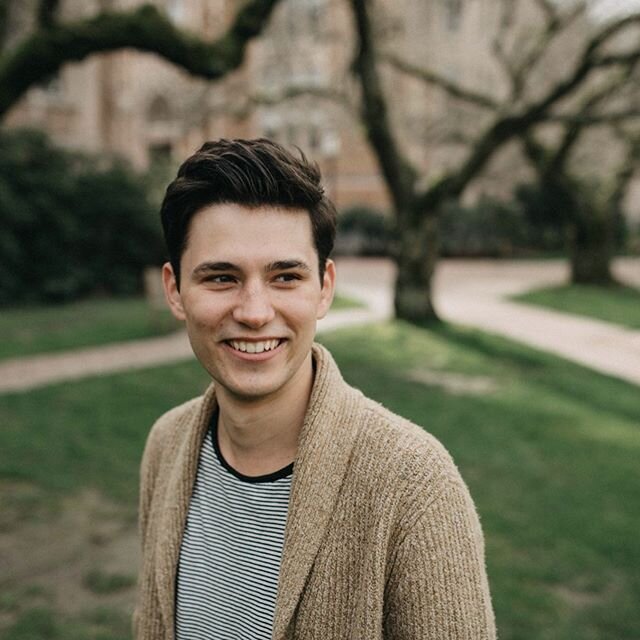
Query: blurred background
x=483 y=156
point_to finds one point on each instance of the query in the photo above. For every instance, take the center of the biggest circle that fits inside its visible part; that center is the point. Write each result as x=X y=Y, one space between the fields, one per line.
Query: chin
x=248 y=390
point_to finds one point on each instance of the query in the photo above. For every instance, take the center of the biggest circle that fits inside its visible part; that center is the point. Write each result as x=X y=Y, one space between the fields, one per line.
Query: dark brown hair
x=252 y=173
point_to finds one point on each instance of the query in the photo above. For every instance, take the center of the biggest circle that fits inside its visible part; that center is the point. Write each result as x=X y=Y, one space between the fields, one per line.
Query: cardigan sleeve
x=437 y=586
x=148 y=474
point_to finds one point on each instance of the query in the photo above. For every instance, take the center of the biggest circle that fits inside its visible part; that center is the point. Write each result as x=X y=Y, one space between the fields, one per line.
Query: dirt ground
x=69 y=555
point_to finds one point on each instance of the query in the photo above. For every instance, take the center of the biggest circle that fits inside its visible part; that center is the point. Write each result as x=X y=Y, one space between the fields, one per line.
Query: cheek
x=205 y=312
x=303 y=311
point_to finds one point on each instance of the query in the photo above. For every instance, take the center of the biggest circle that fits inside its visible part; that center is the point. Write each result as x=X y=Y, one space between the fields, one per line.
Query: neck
x=260 y=436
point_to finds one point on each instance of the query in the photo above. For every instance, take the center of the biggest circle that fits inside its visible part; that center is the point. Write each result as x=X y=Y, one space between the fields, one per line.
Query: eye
x=222 y=278
x=287 y=277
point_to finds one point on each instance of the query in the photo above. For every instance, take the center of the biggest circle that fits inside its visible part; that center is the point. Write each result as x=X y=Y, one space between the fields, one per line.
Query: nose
x=254 y=308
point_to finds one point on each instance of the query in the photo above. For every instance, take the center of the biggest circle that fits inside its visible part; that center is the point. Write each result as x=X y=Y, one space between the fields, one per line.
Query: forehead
x=230 y=230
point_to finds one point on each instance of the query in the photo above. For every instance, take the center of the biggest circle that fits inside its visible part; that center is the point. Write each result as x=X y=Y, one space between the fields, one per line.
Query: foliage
x=533 y=222
x=544 y=214
x=488 y=228
x=548 y=212
x=364 y=231
x=71 y=226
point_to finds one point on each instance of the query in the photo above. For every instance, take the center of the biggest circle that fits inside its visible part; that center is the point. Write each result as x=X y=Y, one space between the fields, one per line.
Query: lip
x=254 y=357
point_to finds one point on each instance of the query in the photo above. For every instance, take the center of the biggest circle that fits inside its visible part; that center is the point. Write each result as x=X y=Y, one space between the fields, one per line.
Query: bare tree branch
x=47 y=10
x=551 y=164
x=506 y=127
x=586 y=65
x=398 y=172
x=555 y=25
x=627 y=168
x=507 y=20
x=611 y=30
x=249 y=102
x=555 y=161
x=613 y=59
x=431 y=77
x=4 y=21
x=44 y=52
x=593 y=119
x=549 y=9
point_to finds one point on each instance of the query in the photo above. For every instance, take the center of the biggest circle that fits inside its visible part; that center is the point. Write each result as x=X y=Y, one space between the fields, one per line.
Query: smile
x=259 y=346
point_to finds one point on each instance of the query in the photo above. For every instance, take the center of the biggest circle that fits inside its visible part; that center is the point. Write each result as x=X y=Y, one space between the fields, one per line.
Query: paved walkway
x=474 y=293
x=466 y=292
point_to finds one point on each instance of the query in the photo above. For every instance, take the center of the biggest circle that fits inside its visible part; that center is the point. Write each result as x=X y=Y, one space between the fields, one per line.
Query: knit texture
x=382 y=538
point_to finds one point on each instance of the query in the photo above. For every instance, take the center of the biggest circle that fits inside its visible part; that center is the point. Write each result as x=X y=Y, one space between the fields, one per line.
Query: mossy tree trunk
x=590 y=237
x=416 y=258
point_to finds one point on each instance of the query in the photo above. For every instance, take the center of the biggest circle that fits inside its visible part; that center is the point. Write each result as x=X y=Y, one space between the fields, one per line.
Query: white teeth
x=254 y=347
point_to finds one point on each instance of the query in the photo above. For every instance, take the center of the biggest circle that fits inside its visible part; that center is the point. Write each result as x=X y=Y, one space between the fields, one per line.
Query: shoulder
x=168 y=427
x=399 y=452
x=395 y=436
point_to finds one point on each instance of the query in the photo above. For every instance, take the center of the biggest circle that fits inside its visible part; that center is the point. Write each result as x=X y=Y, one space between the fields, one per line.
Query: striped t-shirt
x=231 y=549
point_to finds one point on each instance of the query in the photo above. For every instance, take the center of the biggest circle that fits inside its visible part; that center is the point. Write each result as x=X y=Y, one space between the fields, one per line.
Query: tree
x=416 y=206
x=588 y=203
x=52 y=44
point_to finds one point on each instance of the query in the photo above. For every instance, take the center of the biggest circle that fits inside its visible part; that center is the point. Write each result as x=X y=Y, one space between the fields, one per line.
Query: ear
x=171 y=292
x=328 y=289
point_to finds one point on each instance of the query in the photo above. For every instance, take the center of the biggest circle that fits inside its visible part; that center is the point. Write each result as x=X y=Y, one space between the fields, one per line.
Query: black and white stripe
x=231 y=550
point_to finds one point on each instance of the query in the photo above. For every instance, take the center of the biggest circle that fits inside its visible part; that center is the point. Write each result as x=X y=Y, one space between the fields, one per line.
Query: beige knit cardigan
x=382 y=539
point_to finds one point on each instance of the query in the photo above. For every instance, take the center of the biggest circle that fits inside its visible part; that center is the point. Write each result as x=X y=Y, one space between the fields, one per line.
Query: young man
x=283 y=503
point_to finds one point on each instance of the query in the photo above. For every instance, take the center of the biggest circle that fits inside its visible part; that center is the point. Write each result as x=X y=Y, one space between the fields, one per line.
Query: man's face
x=250 y=294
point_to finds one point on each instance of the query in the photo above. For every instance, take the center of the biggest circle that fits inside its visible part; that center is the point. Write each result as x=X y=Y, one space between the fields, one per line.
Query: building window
x=453 y=11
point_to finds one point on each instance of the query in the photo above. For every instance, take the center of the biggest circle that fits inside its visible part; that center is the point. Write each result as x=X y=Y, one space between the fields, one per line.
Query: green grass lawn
x=31 y=330
x=550 y=451
x=341 y=302
x=618 y=304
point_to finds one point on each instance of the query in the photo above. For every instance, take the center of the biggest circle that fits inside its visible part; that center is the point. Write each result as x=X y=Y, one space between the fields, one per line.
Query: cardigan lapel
x=181 y=471
x=329 y=432
x=326 y=440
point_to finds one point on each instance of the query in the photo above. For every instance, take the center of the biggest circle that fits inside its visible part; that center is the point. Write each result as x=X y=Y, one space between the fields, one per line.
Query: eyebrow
x=208 y=267
x=278 y=265
x=283 y=265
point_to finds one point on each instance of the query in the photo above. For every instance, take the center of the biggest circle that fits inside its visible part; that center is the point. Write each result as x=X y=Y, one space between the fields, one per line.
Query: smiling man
x=283 y=503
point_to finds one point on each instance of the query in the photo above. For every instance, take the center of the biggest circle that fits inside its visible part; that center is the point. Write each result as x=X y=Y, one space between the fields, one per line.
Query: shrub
x=547 y=214
x=72 y=227
x=488 y=228
x=364 y=231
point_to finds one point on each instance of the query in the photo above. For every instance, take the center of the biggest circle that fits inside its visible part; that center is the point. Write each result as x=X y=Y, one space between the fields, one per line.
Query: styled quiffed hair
x=252 y=173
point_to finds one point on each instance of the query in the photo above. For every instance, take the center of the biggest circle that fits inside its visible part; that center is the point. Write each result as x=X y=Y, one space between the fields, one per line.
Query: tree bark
x=591 y=245
x=42 y=53
x=416 y=258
